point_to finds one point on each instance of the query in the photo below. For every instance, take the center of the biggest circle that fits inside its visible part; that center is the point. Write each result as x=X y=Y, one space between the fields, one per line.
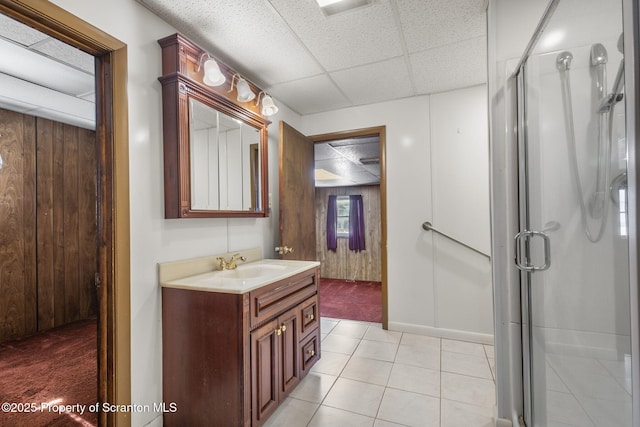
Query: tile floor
x=588 y=392
x=375 y=378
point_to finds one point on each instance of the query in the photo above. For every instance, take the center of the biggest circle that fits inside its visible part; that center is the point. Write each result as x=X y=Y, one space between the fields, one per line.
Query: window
x=342 y=229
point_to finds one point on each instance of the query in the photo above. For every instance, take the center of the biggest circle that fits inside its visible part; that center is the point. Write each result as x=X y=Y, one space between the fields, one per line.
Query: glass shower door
x=572 y=247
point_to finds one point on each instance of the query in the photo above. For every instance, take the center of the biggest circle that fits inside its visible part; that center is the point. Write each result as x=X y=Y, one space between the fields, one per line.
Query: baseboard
x=442 y=333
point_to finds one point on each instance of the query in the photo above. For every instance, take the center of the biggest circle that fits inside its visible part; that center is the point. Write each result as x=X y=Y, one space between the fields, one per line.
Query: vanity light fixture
x=212 y=74
x=269 y=108
x=245 y=94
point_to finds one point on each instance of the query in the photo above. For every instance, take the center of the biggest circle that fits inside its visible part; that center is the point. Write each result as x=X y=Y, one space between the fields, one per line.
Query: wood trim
x=381 y=131
x=113 y=190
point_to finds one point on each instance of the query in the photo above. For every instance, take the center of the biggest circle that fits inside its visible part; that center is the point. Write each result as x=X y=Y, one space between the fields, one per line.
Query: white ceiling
x=311 y=62
x=45 y=77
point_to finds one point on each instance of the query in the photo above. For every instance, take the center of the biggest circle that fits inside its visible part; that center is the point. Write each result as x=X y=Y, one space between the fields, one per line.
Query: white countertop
x=245 y=278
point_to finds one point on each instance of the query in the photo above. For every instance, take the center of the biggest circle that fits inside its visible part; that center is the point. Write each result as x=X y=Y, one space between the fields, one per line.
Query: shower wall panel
x=586 y=274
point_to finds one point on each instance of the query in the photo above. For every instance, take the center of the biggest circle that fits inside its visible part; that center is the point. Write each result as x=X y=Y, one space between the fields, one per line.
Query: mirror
x=225 y=166
x=215 y=147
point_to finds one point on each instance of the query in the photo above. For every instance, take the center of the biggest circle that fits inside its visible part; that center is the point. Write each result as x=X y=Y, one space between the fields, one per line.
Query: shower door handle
x=524 y=237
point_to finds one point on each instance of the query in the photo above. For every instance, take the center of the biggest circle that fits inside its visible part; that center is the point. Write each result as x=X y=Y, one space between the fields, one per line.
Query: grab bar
x=427 y=226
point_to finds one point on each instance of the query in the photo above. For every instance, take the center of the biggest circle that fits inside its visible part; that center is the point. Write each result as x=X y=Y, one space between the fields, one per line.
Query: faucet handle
x=283 y=250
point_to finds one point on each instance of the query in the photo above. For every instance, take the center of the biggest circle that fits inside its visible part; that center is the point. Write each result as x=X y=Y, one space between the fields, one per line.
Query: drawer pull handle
x=310 y=316
x=283 y=327
x=311 y=353
x=279 y=331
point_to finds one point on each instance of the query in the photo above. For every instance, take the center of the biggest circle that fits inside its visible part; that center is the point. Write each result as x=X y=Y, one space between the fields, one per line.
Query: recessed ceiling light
x=325 y=175
x=332 y=7
x=325 y=3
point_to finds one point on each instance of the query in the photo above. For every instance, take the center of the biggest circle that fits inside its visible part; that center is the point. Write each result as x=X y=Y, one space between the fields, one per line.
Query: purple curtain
x=356 y=224
x=332 y=223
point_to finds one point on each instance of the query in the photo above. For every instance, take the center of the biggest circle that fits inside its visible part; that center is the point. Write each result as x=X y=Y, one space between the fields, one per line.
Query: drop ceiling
x=45 y=77
x=308 y=59
x=314 y=62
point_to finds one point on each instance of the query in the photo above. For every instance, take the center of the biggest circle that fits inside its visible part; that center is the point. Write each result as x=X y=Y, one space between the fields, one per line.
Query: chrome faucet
x=223 y=264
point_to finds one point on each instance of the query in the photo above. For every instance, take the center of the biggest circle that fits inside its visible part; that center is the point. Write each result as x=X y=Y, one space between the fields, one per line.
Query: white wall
x=437 y=170
x=153 y=238
x=433 y=286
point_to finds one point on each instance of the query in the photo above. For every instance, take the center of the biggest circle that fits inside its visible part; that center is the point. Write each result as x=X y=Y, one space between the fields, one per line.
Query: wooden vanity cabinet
x=230 y=359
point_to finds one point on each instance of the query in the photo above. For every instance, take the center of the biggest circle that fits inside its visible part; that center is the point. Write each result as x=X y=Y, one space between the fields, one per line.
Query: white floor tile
x=369 y=377
x=314 y=387
x=466 y=364
x=564 y=408
x=489 y=350
x=355 y=396
x=456 y=414
x=327 y=325
x=376 y=333
x=411 y=409
x=462 y=388
x=333 y=417
x=367 y=370
x=424 y=357
x=415 y=379
x=350 y=329
x=292 y=413
x=383 y=423
x=330 y=363
x=463 y=347
x=340 y=344
x=420 y=341
x=377 y=350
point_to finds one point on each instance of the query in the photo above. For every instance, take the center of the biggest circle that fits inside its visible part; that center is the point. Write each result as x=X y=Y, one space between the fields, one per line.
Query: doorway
x=359 y=272
x=112 y=195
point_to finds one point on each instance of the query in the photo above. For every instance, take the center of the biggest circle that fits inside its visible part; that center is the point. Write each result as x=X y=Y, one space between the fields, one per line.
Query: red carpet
x=59 y=367
x=351 y=299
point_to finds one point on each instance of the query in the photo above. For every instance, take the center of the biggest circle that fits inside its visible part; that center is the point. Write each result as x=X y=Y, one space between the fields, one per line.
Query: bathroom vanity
x=236 y=342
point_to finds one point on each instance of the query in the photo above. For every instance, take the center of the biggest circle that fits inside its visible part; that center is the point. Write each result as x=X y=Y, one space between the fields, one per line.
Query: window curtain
x=356 y=224
x=332 y=223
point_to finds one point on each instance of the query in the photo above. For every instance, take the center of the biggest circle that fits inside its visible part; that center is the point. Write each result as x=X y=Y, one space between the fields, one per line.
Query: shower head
x=598 y=54
x=563 y=61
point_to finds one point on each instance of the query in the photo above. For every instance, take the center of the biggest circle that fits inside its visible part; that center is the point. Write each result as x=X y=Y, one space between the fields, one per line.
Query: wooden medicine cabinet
x=215 y=147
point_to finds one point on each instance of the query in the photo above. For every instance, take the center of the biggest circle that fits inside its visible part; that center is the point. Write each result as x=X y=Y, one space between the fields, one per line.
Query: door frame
x=381 y=132
x=114 y=360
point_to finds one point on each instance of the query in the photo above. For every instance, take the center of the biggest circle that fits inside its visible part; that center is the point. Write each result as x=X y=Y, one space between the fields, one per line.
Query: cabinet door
x=265 y=370
x=289 y=351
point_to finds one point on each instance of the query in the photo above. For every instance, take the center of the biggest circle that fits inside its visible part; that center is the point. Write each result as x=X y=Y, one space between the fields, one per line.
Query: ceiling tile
x=67 y=54
x=360 y=36
x=249 y=36
x=375 y=82
x=431 y=23
x=11 y=29
x=312 y=95
x=450 y=67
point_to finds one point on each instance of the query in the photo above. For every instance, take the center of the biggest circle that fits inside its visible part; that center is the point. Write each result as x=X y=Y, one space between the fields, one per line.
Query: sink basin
x=252 y=270
x=244 y=278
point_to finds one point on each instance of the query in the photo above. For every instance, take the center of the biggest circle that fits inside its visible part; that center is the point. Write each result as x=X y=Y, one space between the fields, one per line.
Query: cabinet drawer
x=310 y=351
x=309 y=316
x=273 y=299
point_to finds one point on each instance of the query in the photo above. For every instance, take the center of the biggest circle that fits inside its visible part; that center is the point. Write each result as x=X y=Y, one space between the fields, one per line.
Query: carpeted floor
x=351 y=299
x=39 y=374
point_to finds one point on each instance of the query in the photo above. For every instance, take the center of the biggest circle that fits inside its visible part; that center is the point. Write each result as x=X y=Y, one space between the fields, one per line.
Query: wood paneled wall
x=344 y=263
x=18 y=309
x=53 y=190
